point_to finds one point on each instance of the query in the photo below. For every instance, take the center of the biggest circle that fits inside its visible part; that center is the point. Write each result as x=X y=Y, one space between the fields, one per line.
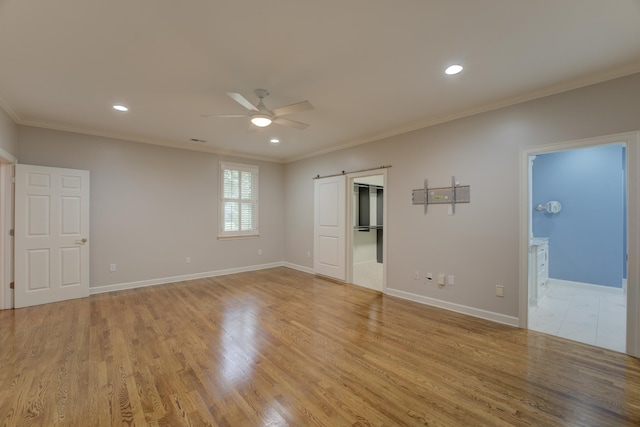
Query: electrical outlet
x=499 y=291
x=259 y=251
x=188 y=260
x=429 y=277
x=112 y=268
x=416 y=275
x=451 y=280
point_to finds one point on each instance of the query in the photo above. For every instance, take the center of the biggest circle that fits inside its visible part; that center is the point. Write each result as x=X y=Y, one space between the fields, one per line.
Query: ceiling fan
x=261 y=116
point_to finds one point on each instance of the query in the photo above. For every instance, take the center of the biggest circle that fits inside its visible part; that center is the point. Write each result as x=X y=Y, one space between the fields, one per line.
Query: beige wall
x=479 y=245
x=152 y=206
x=8 y=134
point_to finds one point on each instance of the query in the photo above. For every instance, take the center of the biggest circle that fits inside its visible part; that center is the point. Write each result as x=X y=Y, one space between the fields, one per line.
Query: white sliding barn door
x=51 y=235
x=330 y=227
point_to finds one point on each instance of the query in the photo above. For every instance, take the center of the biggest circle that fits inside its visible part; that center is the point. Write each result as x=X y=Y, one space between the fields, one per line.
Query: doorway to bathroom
x=577 y=228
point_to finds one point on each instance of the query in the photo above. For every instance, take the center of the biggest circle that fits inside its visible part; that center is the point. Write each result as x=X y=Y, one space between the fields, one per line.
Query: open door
x=366 y=245
x=330 y=227
x=6 y=225
x=632 y=209
x=51 y=235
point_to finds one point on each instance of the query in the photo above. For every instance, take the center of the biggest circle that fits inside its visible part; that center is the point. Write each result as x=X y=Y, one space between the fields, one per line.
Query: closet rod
x=346 y=173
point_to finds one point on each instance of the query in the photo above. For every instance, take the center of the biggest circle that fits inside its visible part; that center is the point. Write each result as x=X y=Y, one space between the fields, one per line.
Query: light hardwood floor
x=281 y=347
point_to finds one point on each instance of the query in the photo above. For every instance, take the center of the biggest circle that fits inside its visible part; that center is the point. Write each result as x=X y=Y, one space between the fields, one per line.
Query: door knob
x=81 y=242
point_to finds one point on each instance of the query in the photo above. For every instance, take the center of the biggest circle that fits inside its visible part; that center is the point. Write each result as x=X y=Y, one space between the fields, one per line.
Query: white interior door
x=330 y=227
x=51 y=235
x=6 y=239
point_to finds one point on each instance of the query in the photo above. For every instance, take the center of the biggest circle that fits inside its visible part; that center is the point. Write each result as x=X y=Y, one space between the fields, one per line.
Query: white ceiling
x=371 y=68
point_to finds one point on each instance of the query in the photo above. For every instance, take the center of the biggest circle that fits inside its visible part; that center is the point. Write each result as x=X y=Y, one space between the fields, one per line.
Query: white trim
x=6 y=157
x=254 y=170
x=6 y=241
x=5 y=106
x=182 y=278
x=470 y=311
x=298 y=267
x=632 y=141
x=6 y=223
x=4 y=280
x=350 y=218
x=144 y=140
x=633 y=244
x=585 y=286
x=483 y=108
x=458 y=308
x=432 y=121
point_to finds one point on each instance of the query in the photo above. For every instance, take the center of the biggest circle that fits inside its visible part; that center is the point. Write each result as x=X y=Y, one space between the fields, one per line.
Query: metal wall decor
x=442 y=195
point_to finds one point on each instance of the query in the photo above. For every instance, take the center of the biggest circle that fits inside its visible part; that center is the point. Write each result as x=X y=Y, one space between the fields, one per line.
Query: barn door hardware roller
x=442 y=195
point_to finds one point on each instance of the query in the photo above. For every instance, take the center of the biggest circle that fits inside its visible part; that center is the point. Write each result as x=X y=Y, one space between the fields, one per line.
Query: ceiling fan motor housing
x=261 y=93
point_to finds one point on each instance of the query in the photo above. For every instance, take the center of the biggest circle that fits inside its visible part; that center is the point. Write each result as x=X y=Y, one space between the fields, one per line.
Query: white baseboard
x=165 y=280
x=586 y=286
x=475 y=312
x=298 y=267
x=458 y=308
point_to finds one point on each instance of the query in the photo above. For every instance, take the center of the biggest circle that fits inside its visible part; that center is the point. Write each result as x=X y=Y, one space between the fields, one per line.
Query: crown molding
x=151 y=141
x=566 y=86
x=428 y=122
x=7 y=108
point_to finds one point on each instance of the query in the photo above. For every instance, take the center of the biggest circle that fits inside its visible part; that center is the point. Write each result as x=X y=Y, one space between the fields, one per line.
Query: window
x=238 y=200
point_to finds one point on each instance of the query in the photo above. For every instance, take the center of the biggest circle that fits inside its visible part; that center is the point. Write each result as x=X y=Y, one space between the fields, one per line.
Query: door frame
x=632 y=141
x=350 y=224
x=7 y=162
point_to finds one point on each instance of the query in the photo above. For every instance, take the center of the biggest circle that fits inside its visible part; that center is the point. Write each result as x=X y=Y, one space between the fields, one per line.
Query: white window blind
x=238 y=200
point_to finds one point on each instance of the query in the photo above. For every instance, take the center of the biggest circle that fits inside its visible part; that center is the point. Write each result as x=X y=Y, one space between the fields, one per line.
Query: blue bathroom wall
x=587 y=238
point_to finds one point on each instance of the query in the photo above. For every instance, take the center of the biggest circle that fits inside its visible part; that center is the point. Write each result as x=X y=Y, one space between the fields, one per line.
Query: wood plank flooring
x=280 y=347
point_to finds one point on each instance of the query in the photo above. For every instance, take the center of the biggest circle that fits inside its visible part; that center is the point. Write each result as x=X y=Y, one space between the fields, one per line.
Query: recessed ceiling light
x=275 y=141
x=120 y=108
x=453 y=69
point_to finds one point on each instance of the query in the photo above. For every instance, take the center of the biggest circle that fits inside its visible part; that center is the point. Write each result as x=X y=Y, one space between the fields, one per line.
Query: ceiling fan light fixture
x=261 y=120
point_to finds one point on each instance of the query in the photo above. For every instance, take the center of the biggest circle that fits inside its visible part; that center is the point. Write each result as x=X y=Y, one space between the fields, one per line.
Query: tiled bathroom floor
x=584 y=315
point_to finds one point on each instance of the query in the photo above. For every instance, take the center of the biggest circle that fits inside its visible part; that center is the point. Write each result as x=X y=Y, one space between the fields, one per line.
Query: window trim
x=254 y=170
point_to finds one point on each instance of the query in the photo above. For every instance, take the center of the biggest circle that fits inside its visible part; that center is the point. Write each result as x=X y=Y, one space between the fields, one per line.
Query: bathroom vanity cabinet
x=538 y=269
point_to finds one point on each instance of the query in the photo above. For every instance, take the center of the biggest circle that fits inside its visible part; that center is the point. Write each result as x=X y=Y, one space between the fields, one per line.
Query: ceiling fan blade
x=290 y=123
x=293 y=108
x=242 y=101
